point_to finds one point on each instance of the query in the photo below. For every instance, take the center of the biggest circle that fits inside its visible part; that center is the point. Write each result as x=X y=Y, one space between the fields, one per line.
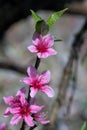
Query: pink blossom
x=38 y=82
x=41 y=118
x=24 y=113
x=3 y=126
x=42 y=46
x=14 y=101
x=21 y=109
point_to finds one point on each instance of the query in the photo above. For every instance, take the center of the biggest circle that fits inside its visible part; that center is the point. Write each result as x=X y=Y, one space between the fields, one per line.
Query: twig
x=23 y=126
x=12 y=66
x=33 y=127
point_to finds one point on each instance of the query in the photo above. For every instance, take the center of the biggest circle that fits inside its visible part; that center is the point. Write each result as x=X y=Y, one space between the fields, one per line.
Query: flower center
x=36 y=84
x=25 y=110
x=42 y=47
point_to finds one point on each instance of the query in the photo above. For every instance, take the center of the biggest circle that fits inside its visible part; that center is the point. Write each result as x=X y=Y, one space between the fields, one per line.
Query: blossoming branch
x=22 y=107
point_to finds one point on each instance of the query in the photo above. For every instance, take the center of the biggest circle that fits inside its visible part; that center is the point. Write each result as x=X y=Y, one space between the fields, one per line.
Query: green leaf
x=35 y=16
x=54 y=17
x=42 y=27
x=83 y=126
x=57 y=40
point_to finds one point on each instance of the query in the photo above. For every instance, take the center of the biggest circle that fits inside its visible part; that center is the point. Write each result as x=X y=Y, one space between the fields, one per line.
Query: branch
x=12 y=66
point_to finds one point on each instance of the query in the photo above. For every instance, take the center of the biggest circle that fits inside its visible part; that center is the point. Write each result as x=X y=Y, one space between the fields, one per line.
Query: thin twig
x=33 y=127
x=23 y=126
x=12 y=66
x=37 y=63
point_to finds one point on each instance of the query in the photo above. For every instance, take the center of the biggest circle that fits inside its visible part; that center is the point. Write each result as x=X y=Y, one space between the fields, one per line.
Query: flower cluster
x=20 y=106
x=23 y=110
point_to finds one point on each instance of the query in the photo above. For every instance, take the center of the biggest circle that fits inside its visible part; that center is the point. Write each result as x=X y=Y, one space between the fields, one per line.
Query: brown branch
x=12 y=66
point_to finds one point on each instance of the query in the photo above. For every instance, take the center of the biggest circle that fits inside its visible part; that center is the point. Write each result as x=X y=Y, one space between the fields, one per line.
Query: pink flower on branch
x=42 y=46
x=41 y=118
x=38 y=82
x=14 y=101
x=21 y=110
x=24 y=113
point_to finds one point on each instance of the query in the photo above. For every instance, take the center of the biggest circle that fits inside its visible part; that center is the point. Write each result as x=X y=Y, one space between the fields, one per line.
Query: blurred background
x=68 y=109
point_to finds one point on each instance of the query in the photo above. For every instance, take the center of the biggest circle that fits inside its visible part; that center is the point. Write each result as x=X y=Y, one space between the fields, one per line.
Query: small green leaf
x=83 y=126
x=57 y=40
x=54 y=17
x=42 y=27
x=35 y=16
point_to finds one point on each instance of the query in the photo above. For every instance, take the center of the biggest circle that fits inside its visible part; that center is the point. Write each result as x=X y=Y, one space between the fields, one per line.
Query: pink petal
x=47 y=90
x=49 y=40
x=45 y=77
x=35 y=108
x=41 y=118
x=15 y=119
x=51 y=51
x=29 y=120
x=7 y=112
x=21 y=91
x=15 y=110
x=37 y=41
x=26 y=80
x=42 y=55
x=32 y=72
x=8 y=100
x=44 y=122
x=33 y=92
x=32 y=49
x=22 y=99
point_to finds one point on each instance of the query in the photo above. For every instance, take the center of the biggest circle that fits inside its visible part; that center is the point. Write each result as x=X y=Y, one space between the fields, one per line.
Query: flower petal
x=35 y=108
x=29 y=120
x=15 y=110
x=15 y=119
x=44 y=122
x=49 y=40
x=23 y=100
x=21 y=91
x=8 y=100
x=7 y=112
x=42 y=54
x=33 y=92
x=47 y=90
x=41 y=118
x=45 y=77
x=51 y=51
x=32 y=72
x=26 y=80
x=32 y=48
x=37 y=41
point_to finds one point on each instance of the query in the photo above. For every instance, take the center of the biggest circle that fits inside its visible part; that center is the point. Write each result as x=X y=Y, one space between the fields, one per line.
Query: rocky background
x=68 y=109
